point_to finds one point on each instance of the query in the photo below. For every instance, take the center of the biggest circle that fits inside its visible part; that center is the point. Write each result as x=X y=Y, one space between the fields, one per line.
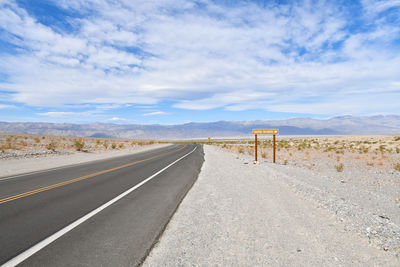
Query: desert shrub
x=113 y=146
x=97 y=142
x=397 y=150
x=51 y=146
x=23 y=143
x=43 y=137
x=121 y=145
x=339 y=167
x=285 y=161
x=105 y=145
x=37 y=140
x=397 y=167
x=79 y=144
x=241 y=150
x=396 y=138
x=264 y=155
x=151 y=142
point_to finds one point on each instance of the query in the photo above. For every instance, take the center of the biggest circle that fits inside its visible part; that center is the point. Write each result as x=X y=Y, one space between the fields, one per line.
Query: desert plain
x=328 y=200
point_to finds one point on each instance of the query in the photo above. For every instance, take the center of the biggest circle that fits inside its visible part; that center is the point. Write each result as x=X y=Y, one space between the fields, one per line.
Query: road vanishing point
x=102 y=213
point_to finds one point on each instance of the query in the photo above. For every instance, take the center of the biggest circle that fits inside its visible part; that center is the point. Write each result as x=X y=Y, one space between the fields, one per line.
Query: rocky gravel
x=242 y=214
x=17 y=154
x=371 y=209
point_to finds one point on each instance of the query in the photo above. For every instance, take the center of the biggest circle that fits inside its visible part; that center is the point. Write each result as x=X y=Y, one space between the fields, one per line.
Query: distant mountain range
x=343 y=125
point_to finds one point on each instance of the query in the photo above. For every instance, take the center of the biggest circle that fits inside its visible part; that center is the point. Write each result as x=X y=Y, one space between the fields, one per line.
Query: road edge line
x=48 y=240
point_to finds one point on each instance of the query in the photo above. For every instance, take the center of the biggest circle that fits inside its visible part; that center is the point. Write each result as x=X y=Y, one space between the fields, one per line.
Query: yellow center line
x=8 y=199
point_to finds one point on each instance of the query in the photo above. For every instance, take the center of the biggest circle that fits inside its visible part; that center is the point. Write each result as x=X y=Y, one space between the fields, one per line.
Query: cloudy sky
x=173 y=61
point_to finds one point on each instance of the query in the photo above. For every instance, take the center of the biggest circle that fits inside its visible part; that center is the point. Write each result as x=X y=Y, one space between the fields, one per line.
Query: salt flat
x=242 y=214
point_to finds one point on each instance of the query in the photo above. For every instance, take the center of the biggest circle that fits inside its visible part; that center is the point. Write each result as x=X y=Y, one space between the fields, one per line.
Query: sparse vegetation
x=370 y=151
x=113 y=145
x=39 y=144
x=397 y=167
x=339 y=167
x=51 y=146
x=79 y=144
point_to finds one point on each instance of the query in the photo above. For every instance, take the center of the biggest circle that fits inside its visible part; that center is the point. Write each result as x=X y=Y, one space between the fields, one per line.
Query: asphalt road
x=35 y=206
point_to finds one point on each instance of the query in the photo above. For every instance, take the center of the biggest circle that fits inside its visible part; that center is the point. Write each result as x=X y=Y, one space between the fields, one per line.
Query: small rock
x=298 y=250
x=384 y=217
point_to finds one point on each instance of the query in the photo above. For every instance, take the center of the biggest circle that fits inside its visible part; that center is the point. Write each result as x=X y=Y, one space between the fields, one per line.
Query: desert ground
x=302 y=211
x=28 y=153
x=379 y=152
x=329 y=200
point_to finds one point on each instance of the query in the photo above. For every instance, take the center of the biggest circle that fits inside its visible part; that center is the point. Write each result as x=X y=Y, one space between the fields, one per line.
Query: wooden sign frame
x=274 y=132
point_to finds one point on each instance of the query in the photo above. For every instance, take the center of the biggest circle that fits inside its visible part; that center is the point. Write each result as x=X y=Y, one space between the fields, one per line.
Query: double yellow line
x=42 y=189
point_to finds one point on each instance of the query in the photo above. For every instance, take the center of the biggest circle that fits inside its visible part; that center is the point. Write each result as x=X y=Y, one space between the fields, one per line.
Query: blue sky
x=175 y=61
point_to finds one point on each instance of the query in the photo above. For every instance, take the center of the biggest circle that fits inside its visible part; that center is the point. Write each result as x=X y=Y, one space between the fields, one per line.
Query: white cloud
x=155 y=113
x=116 y=119
x=5 y=106
x=68 y=114
x=281 y=58
x=374 y=7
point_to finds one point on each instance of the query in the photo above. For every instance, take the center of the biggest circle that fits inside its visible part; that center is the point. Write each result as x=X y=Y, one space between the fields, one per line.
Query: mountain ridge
x=341 y=125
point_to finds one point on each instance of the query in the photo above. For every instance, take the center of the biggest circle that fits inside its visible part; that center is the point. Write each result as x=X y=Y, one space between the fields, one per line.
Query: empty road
x=103 y=213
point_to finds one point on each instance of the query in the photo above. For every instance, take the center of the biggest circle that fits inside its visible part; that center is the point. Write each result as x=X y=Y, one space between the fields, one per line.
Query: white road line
x=29 y=252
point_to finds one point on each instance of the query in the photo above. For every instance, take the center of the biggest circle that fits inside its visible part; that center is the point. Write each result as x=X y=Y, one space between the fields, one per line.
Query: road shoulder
x=242 y=214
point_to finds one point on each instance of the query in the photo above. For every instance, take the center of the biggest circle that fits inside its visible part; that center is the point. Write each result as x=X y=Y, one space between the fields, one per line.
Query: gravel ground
x=242 y=214
x=30 y=161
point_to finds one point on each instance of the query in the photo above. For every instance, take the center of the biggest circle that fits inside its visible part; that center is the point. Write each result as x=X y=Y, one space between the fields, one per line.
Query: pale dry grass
x=29 y=143
x=380 y=152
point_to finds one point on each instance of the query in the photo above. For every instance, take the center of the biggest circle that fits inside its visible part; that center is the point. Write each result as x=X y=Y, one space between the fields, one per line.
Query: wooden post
x=274 y=148
x=255 y=148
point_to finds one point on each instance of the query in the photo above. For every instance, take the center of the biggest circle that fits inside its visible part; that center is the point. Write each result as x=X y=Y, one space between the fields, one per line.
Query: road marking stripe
x=11 y=198
x=29 y=252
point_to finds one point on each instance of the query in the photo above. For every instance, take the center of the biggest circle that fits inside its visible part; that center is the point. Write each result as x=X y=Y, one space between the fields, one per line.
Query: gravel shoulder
x=242 y=214
x=32 y=163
